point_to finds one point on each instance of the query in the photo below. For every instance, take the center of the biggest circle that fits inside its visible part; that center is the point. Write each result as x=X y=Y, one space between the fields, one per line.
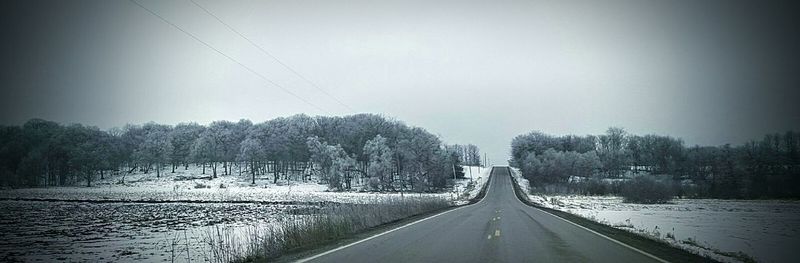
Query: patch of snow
x=469 y=188
x=763 y=229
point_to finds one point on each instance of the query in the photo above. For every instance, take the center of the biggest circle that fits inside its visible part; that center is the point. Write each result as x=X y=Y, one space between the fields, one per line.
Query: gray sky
x=481 y=72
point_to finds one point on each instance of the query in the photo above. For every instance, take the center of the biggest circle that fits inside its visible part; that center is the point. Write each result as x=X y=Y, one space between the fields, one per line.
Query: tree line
x=386 y=154
x=766 y=168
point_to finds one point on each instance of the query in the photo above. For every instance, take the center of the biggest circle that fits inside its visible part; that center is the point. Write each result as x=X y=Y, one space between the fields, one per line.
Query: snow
x=147 y=217
x=480 y=175
x=763 y=229
x=193 y=186
x=107 y=232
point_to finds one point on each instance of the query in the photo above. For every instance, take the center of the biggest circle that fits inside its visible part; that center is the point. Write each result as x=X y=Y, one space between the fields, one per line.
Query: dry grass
x=314 y=226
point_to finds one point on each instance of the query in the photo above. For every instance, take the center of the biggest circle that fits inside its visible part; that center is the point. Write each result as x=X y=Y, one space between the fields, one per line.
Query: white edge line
x=397 y=228
x=587 y=229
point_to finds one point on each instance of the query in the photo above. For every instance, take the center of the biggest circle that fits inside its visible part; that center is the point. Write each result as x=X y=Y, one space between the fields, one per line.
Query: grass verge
x=320 y=229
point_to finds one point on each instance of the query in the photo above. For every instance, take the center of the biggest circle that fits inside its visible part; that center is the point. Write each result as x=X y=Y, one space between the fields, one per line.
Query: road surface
x=499 y=228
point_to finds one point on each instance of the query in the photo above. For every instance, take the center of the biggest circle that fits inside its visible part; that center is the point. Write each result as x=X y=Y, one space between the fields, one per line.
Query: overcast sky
x=710 y=72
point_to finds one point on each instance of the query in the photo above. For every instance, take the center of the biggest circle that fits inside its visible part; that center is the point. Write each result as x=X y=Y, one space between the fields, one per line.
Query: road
x=499 y=228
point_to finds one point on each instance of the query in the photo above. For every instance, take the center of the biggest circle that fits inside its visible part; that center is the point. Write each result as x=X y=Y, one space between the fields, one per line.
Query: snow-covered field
x=191 y=185
x=166 y=218
x=766 y=230
x=108 y=232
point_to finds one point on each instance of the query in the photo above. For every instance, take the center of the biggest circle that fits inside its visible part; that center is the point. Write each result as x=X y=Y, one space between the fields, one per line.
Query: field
x=727 y=230
x=171 y=218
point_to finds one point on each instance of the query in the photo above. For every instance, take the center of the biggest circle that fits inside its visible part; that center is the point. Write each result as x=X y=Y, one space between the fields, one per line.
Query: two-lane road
x=499 y=228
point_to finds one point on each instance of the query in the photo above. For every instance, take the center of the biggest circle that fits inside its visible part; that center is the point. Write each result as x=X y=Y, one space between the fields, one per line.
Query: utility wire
x=265 y=52
x=228 y=57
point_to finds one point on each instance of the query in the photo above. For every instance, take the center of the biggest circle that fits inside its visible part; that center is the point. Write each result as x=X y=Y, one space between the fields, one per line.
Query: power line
x=265 y=52
x=228 y=57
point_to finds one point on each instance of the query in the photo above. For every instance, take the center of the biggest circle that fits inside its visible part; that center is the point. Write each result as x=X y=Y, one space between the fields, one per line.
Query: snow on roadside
x=727 y=230
x=470 y=188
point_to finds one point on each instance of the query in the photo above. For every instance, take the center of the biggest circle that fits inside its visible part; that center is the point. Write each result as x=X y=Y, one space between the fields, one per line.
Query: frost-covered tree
x=156 y=146
x=86 y=155
x=332 y=161
x=426 y=165
x=238 y=135
x=612 y=151
x=587 y=164
x=380 y=161
x=41 y=153
x=182 y=138
x=473 y=155
x=299 y=129
x=553 y=167
x=251 y=151
x=454 y=158
x=223 y=134
x=205 y=150
x=529 y=166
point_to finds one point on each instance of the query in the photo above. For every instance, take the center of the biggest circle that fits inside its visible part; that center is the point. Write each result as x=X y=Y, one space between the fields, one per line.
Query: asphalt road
x=499 y=228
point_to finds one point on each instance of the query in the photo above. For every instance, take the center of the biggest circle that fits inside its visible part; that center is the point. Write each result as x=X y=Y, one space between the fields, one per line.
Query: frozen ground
x=191 y=185
x=766 y=230
x=110 y=232
x=149 y=218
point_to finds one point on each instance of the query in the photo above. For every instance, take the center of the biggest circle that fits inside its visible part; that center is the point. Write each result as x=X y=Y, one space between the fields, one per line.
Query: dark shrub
x=596 y=187
x=645 y=190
